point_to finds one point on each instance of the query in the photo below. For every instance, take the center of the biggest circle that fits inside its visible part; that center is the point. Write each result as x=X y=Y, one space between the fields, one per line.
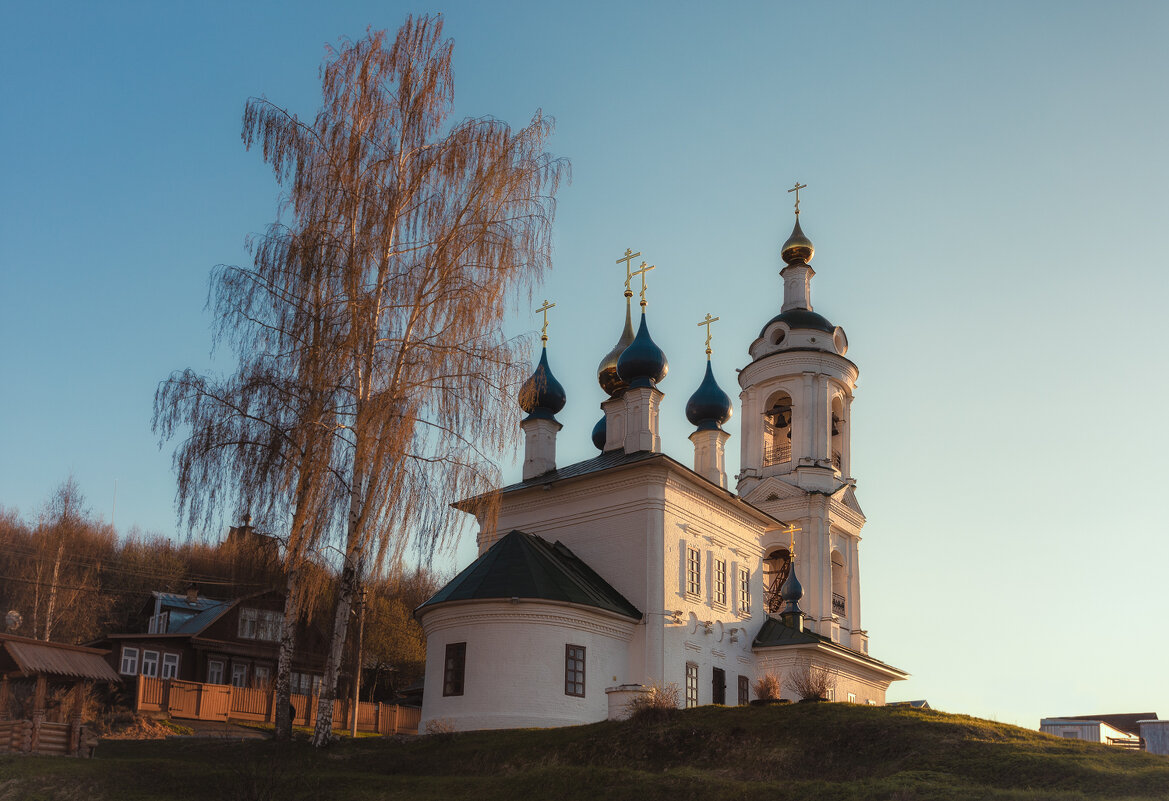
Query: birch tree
x=406 y=242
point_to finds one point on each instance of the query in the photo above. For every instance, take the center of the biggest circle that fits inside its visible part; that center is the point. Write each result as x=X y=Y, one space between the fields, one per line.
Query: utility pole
x=357 y=663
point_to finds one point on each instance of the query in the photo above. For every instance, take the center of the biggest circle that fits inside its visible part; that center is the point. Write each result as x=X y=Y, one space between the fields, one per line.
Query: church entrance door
x=718 y=686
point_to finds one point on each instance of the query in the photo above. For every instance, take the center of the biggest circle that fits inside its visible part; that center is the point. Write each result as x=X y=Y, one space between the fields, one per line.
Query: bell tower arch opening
x=837 y=449
x=777 y=430
x=776 y=567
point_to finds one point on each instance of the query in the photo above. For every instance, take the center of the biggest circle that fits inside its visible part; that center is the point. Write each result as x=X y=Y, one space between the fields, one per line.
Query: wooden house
x=191 y=637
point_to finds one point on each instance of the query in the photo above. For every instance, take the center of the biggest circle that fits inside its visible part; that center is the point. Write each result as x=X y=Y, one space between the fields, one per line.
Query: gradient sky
x=987 y=194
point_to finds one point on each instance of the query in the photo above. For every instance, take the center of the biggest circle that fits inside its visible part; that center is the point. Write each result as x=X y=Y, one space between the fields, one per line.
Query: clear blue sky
x=987 y=193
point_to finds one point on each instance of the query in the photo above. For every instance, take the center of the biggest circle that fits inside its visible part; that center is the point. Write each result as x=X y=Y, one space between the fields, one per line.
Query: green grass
x=801 y=751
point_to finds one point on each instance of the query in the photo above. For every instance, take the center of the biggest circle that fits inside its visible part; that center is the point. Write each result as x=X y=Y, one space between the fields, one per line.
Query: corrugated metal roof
x=33 y=658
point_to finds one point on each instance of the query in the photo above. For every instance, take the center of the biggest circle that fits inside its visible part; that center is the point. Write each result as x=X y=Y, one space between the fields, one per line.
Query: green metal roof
x=775 y=634
x=528 y=567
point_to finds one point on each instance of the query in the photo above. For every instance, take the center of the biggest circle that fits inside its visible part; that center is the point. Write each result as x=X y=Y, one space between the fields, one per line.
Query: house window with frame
x=574 y=670
x=260 y=624
x=691 y=685
x=170 y=666
x=744 y=691
x=247 y=623
x=720 y=582
x=454 y=668
x=693 y=572
x=129 y=666
x=215 y=671
x=852 y=698
x=261 y=676
x=744 y=591
x=239 y=675
x=150 y=663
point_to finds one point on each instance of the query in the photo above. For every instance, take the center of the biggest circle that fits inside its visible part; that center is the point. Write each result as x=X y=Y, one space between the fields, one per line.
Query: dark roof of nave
x=521 y=565
x=776 y=634
x=607 y=461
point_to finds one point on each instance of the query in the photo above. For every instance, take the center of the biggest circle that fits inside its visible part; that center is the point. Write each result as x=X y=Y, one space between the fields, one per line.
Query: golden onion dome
x=797 y=247
x=607 y=375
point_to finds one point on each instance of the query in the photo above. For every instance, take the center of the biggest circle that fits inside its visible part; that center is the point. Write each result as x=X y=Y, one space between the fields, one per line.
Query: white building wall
x=515 y=663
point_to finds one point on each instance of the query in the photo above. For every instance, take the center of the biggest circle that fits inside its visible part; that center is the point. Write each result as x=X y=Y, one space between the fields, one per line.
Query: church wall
x=515 y=663
x=720 y=532
x=850 y=678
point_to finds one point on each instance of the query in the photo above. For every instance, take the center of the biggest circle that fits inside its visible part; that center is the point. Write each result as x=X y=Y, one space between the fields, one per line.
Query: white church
x=598 y=579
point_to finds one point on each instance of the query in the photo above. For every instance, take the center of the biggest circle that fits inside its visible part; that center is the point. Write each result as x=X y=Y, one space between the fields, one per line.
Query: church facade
x=597 y=580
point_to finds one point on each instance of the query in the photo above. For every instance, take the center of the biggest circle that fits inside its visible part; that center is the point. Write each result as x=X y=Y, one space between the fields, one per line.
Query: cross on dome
x=797 y=189
x=627 y=258
x=644 y=269
x=544 y=330
x=707 y=323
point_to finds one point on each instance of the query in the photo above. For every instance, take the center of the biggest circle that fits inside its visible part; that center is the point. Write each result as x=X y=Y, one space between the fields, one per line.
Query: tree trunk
x=324 y=727
x=53 y=591
x=284 y=716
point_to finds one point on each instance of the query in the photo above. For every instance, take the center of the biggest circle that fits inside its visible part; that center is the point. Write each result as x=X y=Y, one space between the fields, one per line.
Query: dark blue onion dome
x=709 y=407
x=542 y=395
x=791 y=590
x=600 y=433
x=642 y=364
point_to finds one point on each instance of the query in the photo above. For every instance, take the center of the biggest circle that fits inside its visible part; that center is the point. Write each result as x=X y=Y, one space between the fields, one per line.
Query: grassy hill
x=803 y=751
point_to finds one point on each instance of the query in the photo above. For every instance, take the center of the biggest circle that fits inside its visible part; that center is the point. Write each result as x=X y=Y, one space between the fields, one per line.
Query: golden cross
x=544 y=330
x=707 y=323
x=629 y=256
x=791 y=532
x=797 y=189
x=644 y=269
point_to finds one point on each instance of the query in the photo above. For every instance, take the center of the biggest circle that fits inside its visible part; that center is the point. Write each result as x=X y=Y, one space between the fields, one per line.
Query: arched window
x=777 y=429
x=839 y=585
x=775 y=569
x=837 y=436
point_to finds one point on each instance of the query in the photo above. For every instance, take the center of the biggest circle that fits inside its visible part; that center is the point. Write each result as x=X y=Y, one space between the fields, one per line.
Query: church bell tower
x=796 y=397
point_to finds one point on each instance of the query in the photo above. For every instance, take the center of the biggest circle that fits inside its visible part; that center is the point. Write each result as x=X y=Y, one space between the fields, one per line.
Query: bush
x=439 y=726
x=660 y=701
x=767 y=687
x=812 y=682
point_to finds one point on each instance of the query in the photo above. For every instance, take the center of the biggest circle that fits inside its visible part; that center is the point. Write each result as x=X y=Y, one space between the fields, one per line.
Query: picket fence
x=194 y=700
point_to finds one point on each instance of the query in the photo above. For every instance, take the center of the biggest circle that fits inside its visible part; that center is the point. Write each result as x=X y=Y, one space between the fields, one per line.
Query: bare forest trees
x=375 y=382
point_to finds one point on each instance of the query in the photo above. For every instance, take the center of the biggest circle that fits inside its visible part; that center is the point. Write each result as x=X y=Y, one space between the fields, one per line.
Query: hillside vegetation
x=802 y=751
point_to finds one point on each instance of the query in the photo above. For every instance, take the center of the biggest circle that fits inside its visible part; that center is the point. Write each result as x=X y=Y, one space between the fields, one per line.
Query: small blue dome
x=709 y=407
x=600 y=432
x=541 y=395
x=642 y=364
x=791 y=590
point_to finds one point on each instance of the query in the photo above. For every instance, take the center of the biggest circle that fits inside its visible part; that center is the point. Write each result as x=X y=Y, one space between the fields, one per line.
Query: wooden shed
x=29 y=671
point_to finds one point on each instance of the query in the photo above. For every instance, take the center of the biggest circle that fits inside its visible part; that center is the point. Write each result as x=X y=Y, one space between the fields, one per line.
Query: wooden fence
x=196 y=701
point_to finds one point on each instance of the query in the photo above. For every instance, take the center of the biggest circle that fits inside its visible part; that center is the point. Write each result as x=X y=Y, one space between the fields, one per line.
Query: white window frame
x=852 y=698
x=215 y=671
x=129 y=666
x=150 y=663
x=170 y=666
x=693 y=572
x=744 y=591
x=239 y=674
x=262 y=675
x=269 y=623
x=691 y=685
x=720 y=582
x=248 y=623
